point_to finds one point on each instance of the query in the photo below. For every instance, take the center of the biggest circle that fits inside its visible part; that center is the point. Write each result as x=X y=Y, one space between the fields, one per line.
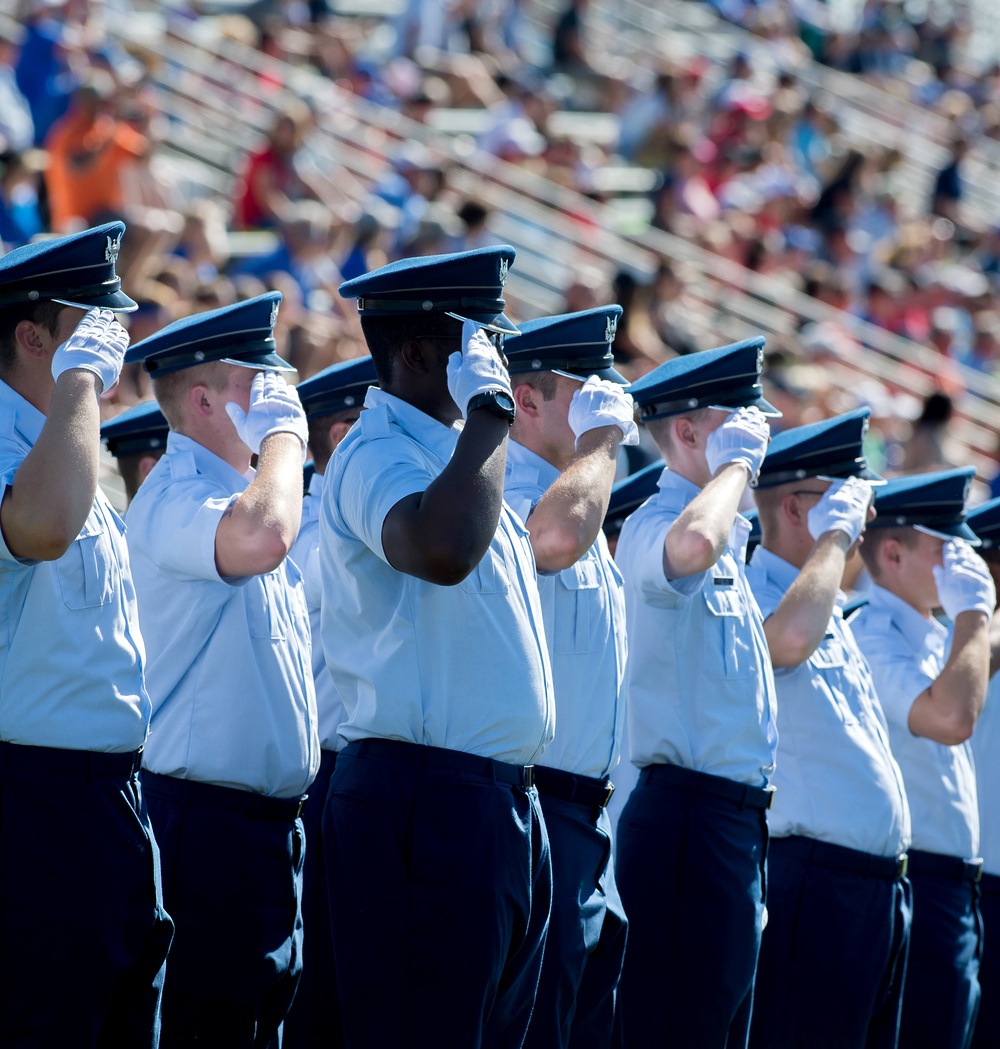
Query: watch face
x=504 y=400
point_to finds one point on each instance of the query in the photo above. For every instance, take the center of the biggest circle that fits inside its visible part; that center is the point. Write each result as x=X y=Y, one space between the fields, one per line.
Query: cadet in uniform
x=572 y=416
x=332 y=400
x=136 y=438
x=984 y=520
x=833 y=953
x=932 y=687
x=693 y=836
x=83 y=933
x=440 y=881
x=233 y=744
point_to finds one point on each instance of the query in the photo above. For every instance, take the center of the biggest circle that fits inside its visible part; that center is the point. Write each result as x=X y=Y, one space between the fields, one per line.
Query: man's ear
x=527 y=399
x=29 y=338
x=414 y=355
x=685 y=433
x=198 y=399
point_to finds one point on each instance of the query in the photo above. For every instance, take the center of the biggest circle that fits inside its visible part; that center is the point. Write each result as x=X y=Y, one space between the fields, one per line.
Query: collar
x=911 y=623
x=673 y=482
x=783 y=573
x=206 y=463
x=316 y=485
x=25 y=420
x=427 y=431
x=524 y=461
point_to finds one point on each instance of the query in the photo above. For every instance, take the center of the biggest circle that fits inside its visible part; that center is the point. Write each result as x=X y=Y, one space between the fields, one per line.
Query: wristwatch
x=496 y=402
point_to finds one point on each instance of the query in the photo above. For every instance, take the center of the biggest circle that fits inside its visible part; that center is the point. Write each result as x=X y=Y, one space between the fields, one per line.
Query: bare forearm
x=697 y=538
x=53 y=490
x=568 y=517
x=798 y=625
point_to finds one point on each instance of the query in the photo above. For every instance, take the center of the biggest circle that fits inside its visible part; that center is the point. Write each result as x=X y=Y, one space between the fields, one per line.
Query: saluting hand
x=274 y=408
x=842 y=507
x=476 y=369
x=600 y=402
x=964 y=583
x=97 y=345
x=742 y=438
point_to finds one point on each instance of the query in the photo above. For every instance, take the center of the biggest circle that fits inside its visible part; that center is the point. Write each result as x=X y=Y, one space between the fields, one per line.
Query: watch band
x=490 y=401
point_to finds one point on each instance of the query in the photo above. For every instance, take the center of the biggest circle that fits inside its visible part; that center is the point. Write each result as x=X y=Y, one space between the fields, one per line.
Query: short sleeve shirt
x=583 y=607
x=700 y=687
x=462 y=667
x=836 y=778
x=305 y=553
x=71 y=654
x=906 y=653
x=986 y=749
x=230 y=660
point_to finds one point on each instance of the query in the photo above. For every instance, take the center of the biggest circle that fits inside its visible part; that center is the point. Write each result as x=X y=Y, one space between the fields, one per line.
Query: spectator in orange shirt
x=88 y=148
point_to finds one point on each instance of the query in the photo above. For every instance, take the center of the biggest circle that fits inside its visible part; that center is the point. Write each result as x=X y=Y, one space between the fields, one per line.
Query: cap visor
x=959 y=531
x=491 y=321
x=270 y=362
x=766 y=407
x=602 y=373
x=117 y=301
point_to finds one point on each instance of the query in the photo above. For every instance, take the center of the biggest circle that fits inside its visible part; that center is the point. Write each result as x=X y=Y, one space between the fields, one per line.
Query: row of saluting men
x=379 y=670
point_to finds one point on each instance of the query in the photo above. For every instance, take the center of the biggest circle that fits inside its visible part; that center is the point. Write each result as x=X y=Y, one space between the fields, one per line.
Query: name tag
x=723 y=580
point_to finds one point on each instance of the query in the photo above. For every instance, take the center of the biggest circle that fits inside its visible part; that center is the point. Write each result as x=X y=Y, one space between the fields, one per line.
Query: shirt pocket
x=728 y=650
x=265 y=604
x=85 y=571
x=577 y=607
x=830 y=659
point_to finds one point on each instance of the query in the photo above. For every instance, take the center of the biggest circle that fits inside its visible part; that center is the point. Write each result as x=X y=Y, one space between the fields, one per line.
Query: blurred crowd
x=746 y=161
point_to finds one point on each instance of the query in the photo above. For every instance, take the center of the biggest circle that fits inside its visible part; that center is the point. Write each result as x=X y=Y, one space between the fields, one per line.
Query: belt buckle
x=606 y=800
x=771 y=791
x=979 y=871
x=902 y=865
x=527 y=777
x=301 y=805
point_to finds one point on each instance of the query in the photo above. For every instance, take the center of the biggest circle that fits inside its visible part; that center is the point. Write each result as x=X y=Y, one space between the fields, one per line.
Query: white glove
x=742 y=438
x=274 y=408
x=964 y=583
x=98 y=345
x=600 y=402
x=842 y=507
x=476 y=369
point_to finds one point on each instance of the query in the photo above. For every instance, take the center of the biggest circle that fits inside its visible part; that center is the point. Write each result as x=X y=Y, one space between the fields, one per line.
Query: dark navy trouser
x=232 y=881
x=440 y=890
x=314 y=1019
x=83 y=932
x=690 y=869
x=833 y=954
x=987 y=1034
x=575 y=1004
x=941 y=996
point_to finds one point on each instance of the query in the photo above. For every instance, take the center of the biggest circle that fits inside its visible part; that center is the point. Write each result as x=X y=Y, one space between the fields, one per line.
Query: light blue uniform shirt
x=906 y=653
x=836 y=779
x=986 y=749
x=230 y=660
x=305 y=553
x=700 y=688
x=462 y=667
x=71 y=655
x=583 y=607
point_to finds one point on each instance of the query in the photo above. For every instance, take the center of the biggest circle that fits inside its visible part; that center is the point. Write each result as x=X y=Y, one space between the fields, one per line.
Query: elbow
x=693 y=554
x=273 y=547
x=791 y=652
x=555 y=552
x=957 y=730
x=47 y=543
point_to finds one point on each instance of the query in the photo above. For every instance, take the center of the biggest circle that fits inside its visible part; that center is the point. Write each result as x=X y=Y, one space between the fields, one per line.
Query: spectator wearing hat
x=432 y=629
x=692 y=837
x=332 y=400
x=984 y=520
x=234 y=744
x=572 y=417
x=136 y=438
x=83 y=931
x=833 y=953
x=932 y=684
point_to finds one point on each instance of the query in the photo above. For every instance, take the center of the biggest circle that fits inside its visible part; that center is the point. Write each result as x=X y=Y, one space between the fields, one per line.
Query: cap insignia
x=274 y=314
x=504 y=266
x=611 y=328
x=111 y=251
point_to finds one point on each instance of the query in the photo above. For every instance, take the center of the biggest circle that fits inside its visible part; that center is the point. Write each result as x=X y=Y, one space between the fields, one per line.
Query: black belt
x=586 y=790
x=990 y=884
x=421 y=756
x=191 y=792
x=841 y=858
x=941 y=866
x=693 y=783
x=84 y=763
